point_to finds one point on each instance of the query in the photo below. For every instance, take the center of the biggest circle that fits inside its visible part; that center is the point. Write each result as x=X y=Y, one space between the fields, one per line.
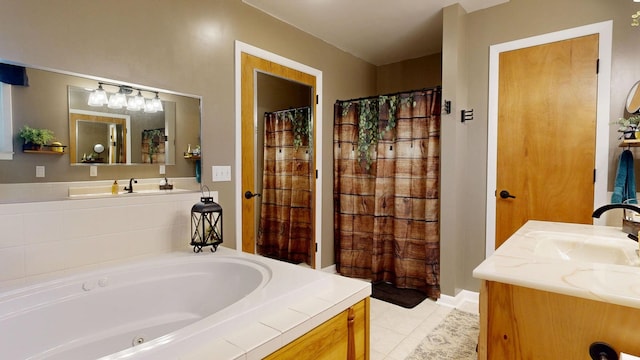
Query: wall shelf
x=50 y=152
x=630 y=143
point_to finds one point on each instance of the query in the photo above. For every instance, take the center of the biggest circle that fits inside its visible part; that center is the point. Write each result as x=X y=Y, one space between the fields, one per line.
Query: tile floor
x=396 y=331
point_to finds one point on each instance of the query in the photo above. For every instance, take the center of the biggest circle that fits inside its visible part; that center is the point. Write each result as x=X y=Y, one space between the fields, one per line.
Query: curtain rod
x=290 y=109
x=438 y=88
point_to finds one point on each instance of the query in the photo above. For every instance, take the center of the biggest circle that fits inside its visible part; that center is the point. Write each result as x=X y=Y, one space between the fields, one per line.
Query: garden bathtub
x=164 y=307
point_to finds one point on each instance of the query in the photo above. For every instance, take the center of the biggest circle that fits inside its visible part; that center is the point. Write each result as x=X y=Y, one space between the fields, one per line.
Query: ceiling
x=377 y=31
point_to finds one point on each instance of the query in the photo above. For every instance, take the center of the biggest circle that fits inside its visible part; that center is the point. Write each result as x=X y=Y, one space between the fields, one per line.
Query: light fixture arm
x=128 y=89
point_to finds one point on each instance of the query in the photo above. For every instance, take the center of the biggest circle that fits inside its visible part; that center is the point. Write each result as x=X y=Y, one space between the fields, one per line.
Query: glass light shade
x=140 y=100
x=157 y=103
x=148 y=107
x=98 y=97
x=117 y=101
x=132 y=104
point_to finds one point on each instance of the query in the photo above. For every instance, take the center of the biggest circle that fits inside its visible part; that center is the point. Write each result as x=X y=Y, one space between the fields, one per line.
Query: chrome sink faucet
x=130 y=188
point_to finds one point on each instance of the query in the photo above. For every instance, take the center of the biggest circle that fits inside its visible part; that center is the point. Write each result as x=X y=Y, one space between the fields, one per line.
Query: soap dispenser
x=114 y=187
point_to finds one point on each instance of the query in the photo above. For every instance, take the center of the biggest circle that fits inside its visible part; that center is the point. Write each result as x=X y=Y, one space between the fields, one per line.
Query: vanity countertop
x=525 y=260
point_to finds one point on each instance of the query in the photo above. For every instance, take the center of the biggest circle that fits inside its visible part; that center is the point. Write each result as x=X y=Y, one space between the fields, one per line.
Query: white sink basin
x=84 y=192
x=593 y=249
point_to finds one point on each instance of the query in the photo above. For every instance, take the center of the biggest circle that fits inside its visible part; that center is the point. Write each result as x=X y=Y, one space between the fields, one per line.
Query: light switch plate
x=39 y=171
x=221 y=173
x=93 y=170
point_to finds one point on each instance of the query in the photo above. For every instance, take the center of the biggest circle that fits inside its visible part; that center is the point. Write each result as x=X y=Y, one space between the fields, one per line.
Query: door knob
x=248 y=194
x=505 y=194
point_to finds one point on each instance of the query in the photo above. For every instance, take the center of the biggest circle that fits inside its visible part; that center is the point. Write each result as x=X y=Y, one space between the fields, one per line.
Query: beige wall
x=514 y=20
x=412 y=74
x=453 y=146
x=185 y=46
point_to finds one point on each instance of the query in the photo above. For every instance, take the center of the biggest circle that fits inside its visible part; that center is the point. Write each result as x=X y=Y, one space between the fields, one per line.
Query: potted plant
x=34 y=138
x=628 y=126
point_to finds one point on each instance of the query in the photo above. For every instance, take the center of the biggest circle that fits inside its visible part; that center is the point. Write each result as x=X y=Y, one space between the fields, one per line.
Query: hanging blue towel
x=625 y=185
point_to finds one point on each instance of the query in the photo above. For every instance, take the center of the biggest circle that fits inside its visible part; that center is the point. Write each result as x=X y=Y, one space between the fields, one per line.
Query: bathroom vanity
x=553 y=289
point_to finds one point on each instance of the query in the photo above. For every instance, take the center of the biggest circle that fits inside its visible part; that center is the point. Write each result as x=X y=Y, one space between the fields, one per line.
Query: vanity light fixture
x=135 y=103
x=132 y=105
x=157 y=103
x=98 y=97
x=120 y=100
x=139 y=100
x=148 y=106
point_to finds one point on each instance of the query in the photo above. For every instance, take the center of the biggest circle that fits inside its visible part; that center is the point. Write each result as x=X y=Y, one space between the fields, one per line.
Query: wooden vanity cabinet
x=345 y=336
x=522 y=323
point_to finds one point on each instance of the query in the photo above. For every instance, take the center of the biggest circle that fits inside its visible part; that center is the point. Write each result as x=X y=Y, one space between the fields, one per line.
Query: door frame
x=241 y=47
x=605 y=31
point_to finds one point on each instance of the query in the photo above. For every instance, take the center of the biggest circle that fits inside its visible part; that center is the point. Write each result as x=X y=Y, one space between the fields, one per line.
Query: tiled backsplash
x=40 y=238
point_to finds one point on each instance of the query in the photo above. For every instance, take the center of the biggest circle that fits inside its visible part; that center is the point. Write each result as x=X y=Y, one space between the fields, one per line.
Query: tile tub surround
x=53 y=191
x=39 y=239
x=516 y=263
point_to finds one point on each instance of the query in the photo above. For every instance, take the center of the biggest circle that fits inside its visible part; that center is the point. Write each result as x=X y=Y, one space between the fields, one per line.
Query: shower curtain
x=386 y=196
x=285 y=230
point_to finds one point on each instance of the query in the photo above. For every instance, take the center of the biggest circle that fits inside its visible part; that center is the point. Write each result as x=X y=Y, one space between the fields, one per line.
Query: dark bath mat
x=407 y=298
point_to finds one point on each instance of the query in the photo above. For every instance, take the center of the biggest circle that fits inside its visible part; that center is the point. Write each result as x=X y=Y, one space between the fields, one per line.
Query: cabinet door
x=523 y=323
x=345 y=336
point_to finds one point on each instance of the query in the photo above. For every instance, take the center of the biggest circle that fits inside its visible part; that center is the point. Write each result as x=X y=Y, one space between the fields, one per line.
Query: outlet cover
x=93 y=170
x=221 y=173
x=162 y=170
x=39 y=171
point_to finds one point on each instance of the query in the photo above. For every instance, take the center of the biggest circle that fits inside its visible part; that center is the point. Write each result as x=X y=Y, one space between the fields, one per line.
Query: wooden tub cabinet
x=345 y=336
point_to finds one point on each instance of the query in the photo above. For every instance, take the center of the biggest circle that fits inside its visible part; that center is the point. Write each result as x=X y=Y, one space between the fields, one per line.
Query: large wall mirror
x=122 y=142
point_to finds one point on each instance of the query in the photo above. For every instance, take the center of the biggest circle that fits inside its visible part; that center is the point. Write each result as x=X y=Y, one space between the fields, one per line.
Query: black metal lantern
x=206 y=224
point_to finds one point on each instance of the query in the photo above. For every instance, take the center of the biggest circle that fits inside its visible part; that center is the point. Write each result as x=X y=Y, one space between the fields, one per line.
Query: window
x=6 y=133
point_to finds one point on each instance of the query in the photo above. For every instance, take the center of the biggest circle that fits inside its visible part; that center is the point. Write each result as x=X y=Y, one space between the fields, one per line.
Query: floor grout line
x=394 y=336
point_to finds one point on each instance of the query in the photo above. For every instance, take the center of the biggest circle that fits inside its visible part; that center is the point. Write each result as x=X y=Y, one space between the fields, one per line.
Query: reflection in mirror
x=134 y=136
x=89 y=130
x=633 y=99
x=46 y=103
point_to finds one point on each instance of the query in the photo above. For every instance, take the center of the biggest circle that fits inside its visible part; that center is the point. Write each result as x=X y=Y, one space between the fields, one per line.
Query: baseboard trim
x=464 y=296
x=330 y=269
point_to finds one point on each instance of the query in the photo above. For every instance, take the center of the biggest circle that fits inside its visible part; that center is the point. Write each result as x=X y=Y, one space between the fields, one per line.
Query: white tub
x=165 y=308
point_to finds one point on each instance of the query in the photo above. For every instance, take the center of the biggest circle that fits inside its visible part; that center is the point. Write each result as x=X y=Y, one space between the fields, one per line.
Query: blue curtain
x=13 y=75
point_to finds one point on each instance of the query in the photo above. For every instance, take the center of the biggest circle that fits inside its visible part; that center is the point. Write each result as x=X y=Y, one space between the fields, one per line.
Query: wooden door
x=547 y=97
x=250 y=66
